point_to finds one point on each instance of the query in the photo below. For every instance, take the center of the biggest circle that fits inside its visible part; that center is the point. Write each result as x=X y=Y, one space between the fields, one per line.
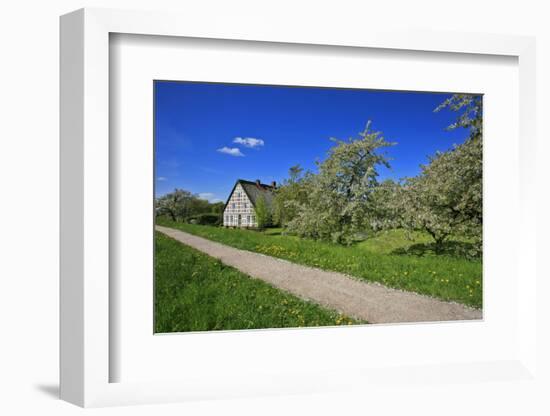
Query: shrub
x=205 y=219
x=263 y=213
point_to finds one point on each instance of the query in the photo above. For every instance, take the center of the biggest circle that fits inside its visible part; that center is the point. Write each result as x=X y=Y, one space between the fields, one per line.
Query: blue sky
x=208 y=135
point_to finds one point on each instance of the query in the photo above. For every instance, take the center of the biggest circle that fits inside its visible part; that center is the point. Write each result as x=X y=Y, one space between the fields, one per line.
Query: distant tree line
x=182 y=205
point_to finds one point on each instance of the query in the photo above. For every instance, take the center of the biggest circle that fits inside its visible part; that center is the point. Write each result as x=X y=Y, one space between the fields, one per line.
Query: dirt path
x=369 y=301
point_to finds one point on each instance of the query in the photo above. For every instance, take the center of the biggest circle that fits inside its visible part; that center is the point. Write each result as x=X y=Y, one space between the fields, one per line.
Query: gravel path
x=368 y=301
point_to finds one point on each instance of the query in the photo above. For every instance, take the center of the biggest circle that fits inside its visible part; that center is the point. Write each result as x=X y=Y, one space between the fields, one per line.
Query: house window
x=253 y=218
x=248 y=218
x=233 y=205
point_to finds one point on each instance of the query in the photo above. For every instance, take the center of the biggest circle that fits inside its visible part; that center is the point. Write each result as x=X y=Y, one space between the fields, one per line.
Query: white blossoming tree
x=446 y=198
x=338 y=205
x=174 y=204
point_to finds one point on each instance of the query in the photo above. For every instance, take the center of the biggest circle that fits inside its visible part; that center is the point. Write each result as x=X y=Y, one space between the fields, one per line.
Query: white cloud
x=161 y=178
x=232 y=151
x=249 y=142
x=210 y=197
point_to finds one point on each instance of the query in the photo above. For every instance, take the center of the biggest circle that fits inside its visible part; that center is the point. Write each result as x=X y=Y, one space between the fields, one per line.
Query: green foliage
x=396 y=258
x=338 y=197
x=182 y=205
x=262 y=212
x=291 y=195
x=217 y=208
x=194 y=292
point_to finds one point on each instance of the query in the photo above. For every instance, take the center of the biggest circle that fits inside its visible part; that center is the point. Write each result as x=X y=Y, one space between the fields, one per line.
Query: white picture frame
x=85 y=352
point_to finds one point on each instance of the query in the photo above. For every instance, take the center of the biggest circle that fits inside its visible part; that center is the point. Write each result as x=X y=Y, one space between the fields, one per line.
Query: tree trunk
x=439 y=245
x=438 y=241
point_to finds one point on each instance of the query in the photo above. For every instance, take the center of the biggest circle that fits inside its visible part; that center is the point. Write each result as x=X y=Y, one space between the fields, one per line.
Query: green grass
x=194 y=292
x=389 y=258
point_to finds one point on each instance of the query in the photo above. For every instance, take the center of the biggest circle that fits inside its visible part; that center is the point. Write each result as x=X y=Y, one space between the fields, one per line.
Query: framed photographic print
x=228 y=197
x=331 y=216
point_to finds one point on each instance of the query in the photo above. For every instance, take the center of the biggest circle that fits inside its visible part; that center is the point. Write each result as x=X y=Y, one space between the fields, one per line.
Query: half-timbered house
x=239 y=210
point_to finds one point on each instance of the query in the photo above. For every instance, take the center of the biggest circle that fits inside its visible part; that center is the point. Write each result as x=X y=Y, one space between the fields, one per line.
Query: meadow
x=392 y=258
x=195 y=292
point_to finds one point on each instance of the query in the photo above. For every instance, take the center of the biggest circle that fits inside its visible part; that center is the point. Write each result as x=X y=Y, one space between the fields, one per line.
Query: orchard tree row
x=344 y=199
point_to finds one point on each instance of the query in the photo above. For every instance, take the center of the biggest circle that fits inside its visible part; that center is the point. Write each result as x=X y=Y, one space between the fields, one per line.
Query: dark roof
x=254 y=191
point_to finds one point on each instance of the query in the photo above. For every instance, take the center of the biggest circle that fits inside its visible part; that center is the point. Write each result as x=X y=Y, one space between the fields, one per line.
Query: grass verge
x=390 y=259
x=195 y=292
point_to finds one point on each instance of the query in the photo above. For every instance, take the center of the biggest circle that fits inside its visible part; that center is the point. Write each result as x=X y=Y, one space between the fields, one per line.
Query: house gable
x=239 y=208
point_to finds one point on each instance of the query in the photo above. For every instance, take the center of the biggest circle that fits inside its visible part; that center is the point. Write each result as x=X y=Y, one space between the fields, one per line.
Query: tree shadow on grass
x=273 y=231
x=460 y=249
